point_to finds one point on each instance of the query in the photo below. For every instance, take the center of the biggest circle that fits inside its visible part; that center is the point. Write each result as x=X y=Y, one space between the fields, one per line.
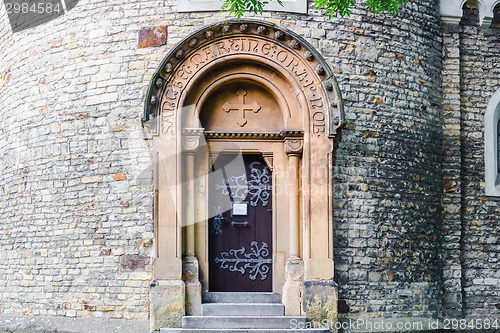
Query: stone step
x=228 y=297
x=242 y=309
x=243 y=330
x=244 y=322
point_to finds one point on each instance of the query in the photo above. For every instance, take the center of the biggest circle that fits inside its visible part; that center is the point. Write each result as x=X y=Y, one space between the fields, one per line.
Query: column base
x=190 y=275
x=167 y=303
x=294 y=273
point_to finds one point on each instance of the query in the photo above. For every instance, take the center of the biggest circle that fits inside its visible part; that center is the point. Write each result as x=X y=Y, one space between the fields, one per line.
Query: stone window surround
x=491 y=132
x=291 y=6
x=451 y=10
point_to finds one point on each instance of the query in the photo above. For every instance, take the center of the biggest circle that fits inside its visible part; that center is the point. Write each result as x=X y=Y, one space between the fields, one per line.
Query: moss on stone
x=317 y=311
x=170 y=315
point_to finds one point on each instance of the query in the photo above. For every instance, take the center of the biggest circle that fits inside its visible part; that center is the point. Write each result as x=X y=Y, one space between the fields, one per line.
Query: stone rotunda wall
x=387 y=176
x=76 y=190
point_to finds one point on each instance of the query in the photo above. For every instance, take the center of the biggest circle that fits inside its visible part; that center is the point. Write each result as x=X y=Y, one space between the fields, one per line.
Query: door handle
x=239 y=224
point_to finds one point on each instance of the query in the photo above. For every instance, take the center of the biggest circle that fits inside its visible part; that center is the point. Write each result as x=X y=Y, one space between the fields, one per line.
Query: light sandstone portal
x=246 y=87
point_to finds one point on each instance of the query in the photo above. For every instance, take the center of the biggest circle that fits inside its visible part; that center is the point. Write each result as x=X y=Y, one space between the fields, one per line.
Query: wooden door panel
x=240 y=237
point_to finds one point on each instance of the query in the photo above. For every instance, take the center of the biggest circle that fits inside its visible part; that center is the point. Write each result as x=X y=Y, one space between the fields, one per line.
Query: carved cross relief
x=241 y=106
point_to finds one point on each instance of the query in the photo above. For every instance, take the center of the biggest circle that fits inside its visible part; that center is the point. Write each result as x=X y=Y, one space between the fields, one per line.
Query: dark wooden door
x=240 y=226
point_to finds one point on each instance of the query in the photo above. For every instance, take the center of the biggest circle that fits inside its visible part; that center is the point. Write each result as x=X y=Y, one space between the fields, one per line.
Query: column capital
x=294 y=145
x=294 y=141
x=191 y=139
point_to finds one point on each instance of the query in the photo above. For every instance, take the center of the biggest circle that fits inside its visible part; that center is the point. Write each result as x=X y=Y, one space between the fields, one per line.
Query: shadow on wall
x=25 y=14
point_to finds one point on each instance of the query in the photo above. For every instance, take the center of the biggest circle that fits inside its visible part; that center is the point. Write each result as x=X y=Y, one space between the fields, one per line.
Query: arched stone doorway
x=244 y=91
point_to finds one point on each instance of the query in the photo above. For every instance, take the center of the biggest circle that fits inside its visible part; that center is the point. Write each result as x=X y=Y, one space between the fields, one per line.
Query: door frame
x=276 y=158
x=259 y=237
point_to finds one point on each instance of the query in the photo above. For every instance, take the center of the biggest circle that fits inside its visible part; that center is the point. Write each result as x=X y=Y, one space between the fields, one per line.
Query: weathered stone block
x=152 y=37
x=319 y=300
x=133 y=262
x=190 y=274
x=167 y=303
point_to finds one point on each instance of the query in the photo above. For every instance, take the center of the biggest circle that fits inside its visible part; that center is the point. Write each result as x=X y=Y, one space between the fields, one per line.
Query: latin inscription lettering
x=227 y=46
x=184 y=72
x=208 y=53
x=222 y=47
x=302 y=75
x=266 y=48
x=292 y=65
x=318 y=116
x=170 y=93
x=318 y=123
x=282 y=55
x=196 y=60
x=168 y=122
x=253 y=45
x=307 y=83
x=234 y=47
x=316 y=103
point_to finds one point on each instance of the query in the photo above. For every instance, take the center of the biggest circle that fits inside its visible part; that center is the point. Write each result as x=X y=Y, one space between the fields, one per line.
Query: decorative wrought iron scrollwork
x=259 y=186
x=236 y=187
x=255 y=261
x=217 y=221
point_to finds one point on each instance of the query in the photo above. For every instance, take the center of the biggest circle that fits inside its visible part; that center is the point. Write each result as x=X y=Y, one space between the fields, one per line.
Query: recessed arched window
x=492 y=146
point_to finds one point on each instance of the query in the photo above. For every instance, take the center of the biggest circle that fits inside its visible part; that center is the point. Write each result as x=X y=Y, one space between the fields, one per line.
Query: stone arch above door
x=239 y=42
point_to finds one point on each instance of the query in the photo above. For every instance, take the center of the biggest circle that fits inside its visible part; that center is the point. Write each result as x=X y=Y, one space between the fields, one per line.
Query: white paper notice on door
x=240 y=209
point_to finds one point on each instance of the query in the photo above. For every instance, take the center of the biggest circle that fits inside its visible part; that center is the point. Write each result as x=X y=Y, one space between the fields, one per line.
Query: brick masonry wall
x=75 y=181
x=480 y=77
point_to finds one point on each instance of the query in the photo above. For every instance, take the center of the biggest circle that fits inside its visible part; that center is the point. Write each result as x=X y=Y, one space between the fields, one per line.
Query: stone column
x=293 y=148
x=294 y=266
x=189 y=205
x=190 y=267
